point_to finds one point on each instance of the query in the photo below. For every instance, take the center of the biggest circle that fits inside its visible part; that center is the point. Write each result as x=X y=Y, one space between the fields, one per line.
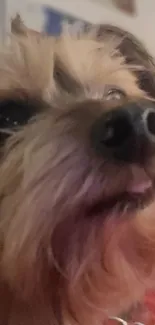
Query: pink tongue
x=140 y=182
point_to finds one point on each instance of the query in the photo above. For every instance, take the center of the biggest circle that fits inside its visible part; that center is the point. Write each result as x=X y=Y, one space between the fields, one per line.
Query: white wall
x=143 y=25
x=2 y=19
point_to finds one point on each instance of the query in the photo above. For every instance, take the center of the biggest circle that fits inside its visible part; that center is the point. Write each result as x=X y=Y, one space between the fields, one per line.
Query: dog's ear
x=18 y=28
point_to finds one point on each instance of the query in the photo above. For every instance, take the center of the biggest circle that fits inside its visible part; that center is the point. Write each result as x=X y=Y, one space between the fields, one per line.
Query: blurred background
x=137 y=16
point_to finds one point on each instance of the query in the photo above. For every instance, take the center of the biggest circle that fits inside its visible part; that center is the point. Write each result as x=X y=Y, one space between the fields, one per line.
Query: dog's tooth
x=140 y=181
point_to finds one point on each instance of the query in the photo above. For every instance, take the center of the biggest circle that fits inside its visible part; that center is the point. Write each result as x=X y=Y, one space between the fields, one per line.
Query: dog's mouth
x=128 y=201
x=138 y=193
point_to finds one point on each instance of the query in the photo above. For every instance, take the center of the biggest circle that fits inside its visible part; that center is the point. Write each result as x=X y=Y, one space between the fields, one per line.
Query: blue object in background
x=54 y=20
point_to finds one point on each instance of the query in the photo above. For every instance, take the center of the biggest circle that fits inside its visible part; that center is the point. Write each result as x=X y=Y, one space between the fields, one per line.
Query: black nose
x=125 y=133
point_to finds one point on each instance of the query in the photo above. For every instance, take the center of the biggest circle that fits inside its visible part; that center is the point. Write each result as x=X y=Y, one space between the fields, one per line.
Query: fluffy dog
x=77 y=187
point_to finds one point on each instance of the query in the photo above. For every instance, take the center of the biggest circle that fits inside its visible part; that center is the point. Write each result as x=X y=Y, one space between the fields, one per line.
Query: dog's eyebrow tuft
x=64 y=80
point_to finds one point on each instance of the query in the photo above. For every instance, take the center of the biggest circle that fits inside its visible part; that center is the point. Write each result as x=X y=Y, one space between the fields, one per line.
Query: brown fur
x=18 y=27
x=129 y=46
x=62 y=261
x=134 y=52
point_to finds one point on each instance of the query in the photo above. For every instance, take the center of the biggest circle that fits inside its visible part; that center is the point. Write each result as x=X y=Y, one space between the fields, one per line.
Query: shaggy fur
x=65 y=258
x=128 y=45
x=18 y=27
x=134 y=52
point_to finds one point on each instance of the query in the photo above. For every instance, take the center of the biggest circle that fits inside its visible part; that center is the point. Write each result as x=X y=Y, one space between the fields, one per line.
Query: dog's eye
x=114 y=94
x=15 y=113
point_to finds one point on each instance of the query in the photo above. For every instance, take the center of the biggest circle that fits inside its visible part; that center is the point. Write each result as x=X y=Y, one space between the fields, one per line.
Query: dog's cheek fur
x=76 y=268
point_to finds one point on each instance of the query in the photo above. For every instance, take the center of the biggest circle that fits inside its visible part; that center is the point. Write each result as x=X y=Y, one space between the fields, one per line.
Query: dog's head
x=77 y=179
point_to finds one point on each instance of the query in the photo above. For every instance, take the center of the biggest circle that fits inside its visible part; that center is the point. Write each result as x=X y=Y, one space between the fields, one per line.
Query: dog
x=77 y=225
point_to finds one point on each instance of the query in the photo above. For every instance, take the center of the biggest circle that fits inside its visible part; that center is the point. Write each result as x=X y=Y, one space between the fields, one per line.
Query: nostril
x=149 y=121
x=125 y=133
x=116 y=130
x=113 y=133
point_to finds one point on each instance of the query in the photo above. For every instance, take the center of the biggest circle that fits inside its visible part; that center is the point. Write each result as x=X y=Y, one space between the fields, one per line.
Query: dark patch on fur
x=64 y=80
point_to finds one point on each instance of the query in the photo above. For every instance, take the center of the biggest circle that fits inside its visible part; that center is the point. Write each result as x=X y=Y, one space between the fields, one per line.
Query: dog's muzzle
x=126 y=133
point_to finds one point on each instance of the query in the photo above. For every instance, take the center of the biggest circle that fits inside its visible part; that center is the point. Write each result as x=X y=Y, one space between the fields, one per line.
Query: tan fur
x=18 y=27
x=58 y=264
x=25 y=66
x=133 y=51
